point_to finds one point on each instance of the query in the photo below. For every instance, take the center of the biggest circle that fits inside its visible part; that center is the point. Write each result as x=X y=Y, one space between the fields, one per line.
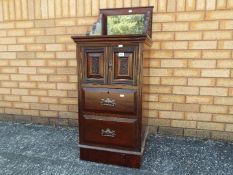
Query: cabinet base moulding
x=108 y=157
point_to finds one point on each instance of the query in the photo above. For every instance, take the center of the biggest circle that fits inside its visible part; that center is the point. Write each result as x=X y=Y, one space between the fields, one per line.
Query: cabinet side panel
x=79 y=65
x=143 y=121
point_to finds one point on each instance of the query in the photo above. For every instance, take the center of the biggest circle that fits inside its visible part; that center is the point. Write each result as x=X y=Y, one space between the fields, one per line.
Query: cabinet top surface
x=139 y=38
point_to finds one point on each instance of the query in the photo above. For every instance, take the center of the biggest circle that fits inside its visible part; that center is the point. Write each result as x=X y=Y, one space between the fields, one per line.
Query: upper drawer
x=109 y=100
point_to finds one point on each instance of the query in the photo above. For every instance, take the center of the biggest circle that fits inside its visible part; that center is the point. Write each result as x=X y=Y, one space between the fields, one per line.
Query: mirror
x=125 y=24
x=124 y=21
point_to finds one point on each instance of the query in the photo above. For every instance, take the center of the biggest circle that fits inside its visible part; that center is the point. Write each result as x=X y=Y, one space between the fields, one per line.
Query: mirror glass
x=125 y=24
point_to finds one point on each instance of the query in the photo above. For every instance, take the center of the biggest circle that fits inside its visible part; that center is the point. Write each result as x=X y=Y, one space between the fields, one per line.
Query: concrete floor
x=45 y=150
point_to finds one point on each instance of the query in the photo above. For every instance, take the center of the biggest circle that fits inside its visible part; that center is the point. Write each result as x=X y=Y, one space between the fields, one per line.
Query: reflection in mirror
x=97 y=27
x=125 y=24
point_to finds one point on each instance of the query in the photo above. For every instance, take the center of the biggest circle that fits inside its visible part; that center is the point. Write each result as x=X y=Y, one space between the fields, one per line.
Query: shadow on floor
x=45 y=150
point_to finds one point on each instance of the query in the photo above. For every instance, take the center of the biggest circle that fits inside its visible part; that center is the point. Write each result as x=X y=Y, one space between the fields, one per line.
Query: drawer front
x=108 y=100
x=109 y=132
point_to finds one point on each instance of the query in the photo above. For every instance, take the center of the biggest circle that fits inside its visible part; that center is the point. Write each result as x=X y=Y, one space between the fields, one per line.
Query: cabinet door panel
x=93 y=66
x=124 y=64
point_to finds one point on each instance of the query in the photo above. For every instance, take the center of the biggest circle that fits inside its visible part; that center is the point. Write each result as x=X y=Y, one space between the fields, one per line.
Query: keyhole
x=110 y=65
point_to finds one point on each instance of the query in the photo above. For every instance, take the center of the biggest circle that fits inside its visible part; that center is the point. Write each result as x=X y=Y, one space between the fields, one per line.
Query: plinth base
x=114 y=158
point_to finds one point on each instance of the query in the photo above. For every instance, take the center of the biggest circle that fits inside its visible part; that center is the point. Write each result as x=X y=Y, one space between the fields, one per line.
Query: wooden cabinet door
x=93 y=65
x=123 y=62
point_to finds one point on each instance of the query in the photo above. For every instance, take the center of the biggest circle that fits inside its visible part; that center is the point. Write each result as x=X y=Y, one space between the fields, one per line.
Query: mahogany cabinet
x=110 y=71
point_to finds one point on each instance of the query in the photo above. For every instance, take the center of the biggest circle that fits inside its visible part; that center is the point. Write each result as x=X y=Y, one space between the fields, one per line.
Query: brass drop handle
x=108 y=102
x=108 y=132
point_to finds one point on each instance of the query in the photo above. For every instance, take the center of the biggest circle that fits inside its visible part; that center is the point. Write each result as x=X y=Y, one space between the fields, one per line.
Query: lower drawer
x=109 y=131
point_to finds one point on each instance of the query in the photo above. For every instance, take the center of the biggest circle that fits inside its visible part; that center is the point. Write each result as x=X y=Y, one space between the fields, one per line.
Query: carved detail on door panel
x=124 y=66
x=95 y=66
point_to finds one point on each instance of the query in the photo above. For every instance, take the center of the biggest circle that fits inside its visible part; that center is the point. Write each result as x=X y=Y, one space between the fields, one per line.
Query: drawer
x=109 y=131
x=107 y=100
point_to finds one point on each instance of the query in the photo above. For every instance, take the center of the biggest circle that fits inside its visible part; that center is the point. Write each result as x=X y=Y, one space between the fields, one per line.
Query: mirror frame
x=147 y=11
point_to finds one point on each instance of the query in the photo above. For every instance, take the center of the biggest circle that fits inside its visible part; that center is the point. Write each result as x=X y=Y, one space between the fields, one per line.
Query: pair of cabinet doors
x=109 y=64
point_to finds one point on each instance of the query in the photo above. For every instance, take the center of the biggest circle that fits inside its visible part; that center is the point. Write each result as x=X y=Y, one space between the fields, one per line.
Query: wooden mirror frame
x=147 y=11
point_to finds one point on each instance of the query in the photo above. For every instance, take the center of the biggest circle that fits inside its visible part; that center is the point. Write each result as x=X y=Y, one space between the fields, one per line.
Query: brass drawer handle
x=108 y=133
x=108 y=102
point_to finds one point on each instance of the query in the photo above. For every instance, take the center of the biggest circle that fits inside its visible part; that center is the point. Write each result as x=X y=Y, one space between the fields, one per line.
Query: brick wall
x=188 y=79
